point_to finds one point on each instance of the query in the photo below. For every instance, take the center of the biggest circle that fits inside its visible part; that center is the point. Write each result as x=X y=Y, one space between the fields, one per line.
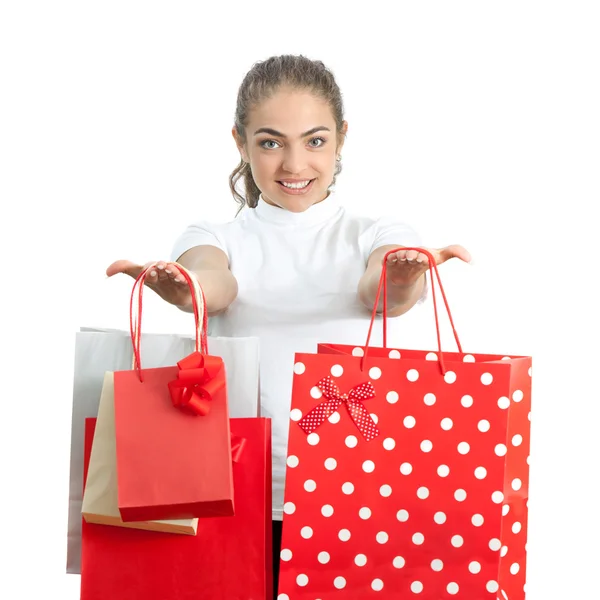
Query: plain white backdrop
x=475 y=122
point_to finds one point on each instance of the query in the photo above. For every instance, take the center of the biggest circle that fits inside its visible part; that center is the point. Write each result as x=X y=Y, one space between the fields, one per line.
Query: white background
x=476 y=122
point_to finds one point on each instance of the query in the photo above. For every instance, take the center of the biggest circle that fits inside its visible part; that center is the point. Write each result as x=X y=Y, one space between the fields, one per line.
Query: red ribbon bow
x=354 y=404
x=199 y=378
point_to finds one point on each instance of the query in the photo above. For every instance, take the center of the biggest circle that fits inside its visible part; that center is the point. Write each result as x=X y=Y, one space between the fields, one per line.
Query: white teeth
x=296 y=186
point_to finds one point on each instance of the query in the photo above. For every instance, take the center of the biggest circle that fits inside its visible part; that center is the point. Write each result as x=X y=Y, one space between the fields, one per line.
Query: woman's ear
x=342 y=137
x=240 y=144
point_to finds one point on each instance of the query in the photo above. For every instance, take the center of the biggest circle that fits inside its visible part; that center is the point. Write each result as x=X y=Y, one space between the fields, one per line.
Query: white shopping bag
x=100 y=350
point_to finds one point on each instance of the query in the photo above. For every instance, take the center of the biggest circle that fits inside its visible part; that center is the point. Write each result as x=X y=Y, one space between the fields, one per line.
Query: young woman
x=294 y=267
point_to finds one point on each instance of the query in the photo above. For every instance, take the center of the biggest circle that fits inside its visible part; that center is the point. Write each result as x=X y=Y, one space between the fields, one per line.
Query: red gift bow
x=354 y=404
x=199 y=378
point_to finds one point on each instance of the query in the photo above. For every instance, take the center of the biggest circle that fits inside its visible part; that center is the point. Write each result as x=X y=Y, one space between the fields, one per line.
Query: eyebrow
x=279 y=134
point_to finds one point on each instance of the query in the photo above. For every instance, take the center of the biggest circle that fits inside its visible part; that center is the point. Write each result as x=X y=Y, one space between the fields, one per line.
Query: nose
x=294 y=160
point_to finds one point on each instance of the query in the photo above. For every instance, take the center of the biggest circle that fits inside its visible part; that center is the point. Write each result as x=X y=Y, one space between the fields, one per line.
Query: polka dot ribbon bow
x=354 y=404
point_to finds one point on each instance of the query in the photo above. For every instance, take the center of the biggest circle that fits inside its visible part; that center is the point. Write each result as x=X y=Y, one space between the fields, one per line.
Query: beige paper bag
x=100 y=494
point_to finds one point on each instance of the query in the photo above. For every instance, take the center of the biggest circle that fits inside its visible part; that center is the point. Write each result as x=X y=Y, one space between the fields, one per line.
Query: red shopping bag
x=230 y=558
x=407 y=474
x=172 y=430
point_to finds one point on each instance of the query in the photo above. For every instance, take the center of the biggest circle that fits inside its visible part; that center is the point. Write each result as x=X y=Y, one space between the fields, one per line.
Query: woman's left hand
x=406 y=266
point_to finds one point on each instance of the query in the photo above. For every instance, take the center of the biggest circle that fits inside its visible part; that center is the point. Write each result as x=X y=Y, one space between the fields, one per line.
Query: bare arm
x=402 y=296
x=405 y=275
x=208 y=263
x=211 y=267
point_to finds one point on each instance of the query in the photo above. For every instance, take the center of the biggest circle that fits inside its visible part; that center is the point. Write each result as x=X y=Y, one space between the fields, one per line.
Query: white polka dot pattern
x=438 y=507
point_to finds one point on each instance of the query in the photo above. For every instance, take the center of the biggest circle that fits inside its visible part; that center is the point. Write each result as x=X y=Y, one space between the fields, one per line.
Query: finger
x=124 y=266
x=151 y=277
x=411 y=255
x=175 y=273
x=392 y=258
x=422 y=258
x=396 y=257
x=171 y=270
x=453 y=251
x=161 y=267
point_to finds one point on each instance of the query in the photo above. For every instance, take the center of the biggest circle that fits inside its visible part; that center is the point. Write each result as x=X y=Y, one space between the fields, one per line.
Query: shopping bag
x=172 y=428
x=100 y=350
x=230 y=558
x=100 y=494
x=407 y=473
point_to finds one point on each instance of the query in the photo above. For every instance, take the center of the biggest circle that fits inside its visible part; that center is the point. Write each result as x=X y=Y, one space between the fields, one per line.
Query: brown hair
x=261 y=82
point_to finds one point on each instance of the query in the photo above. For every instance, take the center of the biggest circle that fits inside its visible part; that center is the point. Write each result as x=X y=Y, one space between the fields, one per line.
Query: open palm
x=406 y=266
x=165 y=279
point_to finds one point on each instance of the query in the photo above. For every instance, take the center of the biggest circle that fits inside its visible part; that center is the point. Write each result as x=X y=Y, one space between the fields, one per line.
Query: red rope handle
x=383 y=287
x=135 y=325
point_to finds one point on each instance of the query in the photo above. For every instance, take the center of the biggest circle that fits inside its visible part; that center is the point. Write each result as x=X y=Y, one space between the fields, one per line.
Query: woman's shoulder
x=211 y=232
x=373 y=232
x=219 y=226
x=377 y=225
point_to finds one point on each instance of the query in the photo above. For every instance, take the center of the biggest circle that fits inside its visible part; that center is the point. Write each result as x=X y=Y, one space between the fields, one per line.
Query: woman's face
x=291 y=147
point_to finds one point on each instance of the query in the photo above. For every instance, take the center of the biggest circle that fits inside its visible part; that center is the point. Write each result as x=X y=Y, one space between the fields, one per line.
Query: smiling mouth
x=298 y=185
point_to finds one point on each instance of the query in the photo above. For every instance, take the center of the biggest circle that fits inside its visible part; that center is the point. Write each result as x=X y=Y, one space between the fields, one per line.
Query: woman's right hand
x=165 y=279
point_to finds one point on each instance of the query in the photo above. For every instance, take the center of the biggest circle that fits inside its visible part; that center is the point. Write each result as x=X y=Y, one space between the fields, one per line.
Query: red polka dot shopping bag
x=407 y=473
